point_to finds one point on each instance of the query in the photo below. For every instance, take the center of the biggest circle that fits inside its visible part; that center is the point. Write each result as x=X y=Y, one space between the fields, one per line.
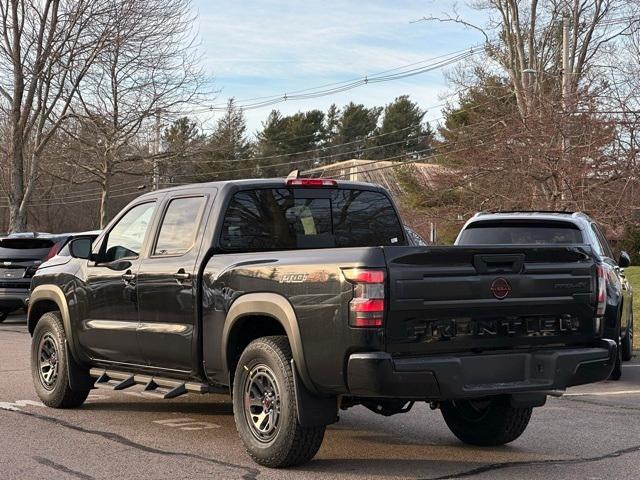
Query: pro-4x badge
x=500 y=288
x=293 y=277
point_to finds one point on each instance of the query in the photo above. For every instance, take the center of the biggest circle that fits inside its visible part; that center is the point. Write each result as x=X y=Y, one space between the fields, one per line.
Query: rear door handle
x=182 y=275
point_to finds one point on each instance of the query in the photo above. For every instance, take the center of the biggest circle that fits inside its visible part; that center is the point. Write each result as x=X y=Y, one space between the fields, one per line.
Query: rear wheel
x=627 y=342
x=264 y=406
x=486 y=422
x=50 y=366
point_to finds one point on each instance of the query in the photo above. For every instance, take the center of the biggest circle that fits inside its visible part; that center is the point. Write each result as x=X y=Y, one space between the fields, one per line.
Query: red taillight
x=356 y=275
x=53 y=251
x=367 y=306
x=311 y=182
x=602 y=291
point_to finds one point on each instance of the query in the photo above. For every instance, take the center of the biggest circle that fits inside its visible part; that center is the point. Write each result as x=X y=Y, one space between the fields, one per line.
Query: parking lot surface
x=592 y=432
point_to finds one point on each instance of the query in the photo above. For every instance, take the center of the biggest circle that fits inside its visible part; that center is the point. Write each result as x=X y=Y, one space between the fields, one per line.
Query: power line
x=168 y=156
x=404 y=71
x=79 y=198
x=69 y=202
x=404 y=154
x=298 y=162
x=357 y=78
x=136 y=190
x=396 y=165
x=408 y=162
x=73 y=198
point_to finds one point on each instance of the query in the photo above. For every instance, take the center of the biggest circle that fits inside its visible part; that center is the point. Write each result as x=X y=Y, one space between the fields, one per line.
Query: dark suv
x=615 y=295
x=20 y=256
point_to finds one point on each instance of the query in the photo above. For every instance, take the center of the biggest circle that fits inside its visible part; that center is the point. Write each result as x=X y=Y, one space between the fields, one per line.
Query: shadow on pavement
x=129 y=405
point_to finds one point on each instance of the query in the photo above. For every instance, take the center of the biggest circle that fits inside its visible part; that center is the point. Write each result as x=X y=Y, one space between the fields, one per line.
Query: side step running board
x=158 y=387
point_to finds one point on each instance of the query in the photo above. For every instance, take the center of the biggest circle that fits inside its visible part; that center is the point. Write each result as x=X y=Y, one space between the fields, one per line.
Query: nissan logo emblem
x=500 y=288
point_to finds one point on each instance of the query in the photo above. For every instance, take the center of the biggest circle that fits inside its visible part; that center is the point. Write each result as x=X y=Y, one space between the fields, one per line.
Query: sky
x=256 y=48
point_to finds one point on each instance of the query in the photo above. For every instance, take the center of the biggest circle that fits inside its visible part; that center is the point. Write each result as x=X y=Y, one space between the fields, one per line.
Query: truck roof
x=574 y=217
x=260 y=183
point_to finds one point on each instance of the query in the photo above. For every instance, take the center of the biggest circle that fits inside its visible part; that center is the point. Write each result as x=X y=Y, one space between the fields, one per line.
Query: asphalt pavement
x=592 y=432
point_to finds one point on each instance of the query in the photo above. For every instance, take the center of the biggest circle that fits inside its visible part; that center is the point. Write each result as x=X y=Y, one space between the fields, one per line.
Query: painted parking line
x=186 y=424
x=602 y=394
x=18 y=404
x=97 y=396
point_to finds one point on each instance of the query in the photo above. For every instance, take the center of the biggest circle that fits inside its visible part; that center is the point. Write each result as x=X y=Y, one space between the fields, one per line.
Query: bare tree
x=46 y=49
x=532 y=129
x=525 y=40
x=148 y=69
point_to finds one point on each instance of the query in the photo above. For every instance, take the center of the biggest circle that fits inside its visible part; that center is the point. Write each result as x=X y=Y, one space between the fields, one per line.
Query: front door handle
x=128 y=276
x=182 y=275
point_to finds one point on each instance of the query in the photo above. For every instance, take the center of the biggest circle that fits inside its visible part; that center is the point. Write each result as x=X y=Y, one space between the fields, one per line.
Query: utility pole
x=156 y=150
x=566 y=65
x=566 y=92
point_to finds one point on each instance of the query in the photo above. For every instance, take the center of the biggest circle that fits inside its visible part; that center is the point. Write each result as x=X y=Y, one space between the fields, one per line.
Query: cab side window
x=126 y=237
x=179 y=226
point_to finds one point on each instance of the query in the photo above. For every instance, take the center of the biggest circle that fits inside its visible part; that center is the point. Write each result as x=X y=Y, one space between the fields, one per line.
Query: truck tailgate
x=477 y=298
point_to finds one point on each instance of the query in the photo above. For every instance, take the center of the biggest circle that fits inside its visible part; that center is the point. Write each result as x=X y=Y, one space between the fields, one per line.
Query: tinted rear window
x=25 y=243
x=25 y=248
x=520 y=234
x=277 y=219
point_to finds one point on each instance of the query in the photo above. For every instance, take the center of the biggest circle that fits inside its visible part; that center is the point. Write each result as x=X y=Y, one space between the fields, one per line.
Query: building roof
x=378 y=172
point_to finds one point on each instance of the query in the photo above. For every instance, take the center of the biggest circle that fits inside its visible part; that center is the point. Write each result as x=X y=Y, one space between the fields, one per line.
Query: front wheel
x=486 y=422
x=3 y=316
x=50 y=366
x=264 y=406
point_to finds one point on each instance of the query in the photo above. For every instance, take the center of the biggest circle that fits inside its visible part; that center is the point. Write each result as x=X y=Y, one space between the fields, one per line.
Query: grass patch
x=633 y=275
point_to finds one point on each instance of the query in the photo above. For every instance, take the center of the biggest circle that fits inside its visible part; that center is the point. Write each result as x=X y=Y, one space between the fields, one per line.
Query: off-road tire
x=293 y=444
x=59 y=394
x=627 y=342
x=497 y=424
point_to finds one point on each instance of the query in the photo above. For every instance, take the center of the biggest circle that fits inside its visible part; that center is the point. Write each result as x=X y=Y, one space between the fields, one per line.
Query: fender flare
x=277 y=307
x=55 y=294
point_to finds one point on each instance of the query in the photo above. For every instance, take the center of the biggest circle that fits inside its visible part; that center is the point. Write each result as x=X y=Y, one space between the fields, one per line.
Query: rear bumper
x=377 y=374
x=13 y=298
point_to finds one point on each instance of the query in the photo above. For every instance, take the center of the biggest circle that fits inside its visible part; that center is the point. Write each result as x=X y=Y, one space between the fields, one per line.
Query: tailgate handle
x=498 y=263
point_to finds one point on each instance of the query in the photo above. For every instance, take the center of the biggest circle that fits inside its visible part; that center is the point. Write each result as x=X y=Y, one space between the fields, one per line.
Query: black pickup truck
x=302 y=297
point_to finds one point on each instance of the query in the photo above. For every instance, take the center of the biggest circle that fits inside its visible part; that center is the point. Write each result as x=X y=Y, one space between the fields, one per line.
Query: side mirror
x=624 y=261
x=81 y=247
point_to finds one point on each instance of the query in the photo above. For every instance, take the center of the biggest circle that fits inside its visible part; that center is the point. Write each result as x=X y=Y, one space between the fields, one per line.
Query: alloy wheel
x=48 y=361
x=262 y=403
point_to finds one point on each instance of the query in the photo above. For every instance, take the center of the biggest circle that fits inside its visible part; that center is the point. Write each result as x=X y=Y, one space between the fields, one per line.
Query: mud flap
x=76 y=382
x=313 y=411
